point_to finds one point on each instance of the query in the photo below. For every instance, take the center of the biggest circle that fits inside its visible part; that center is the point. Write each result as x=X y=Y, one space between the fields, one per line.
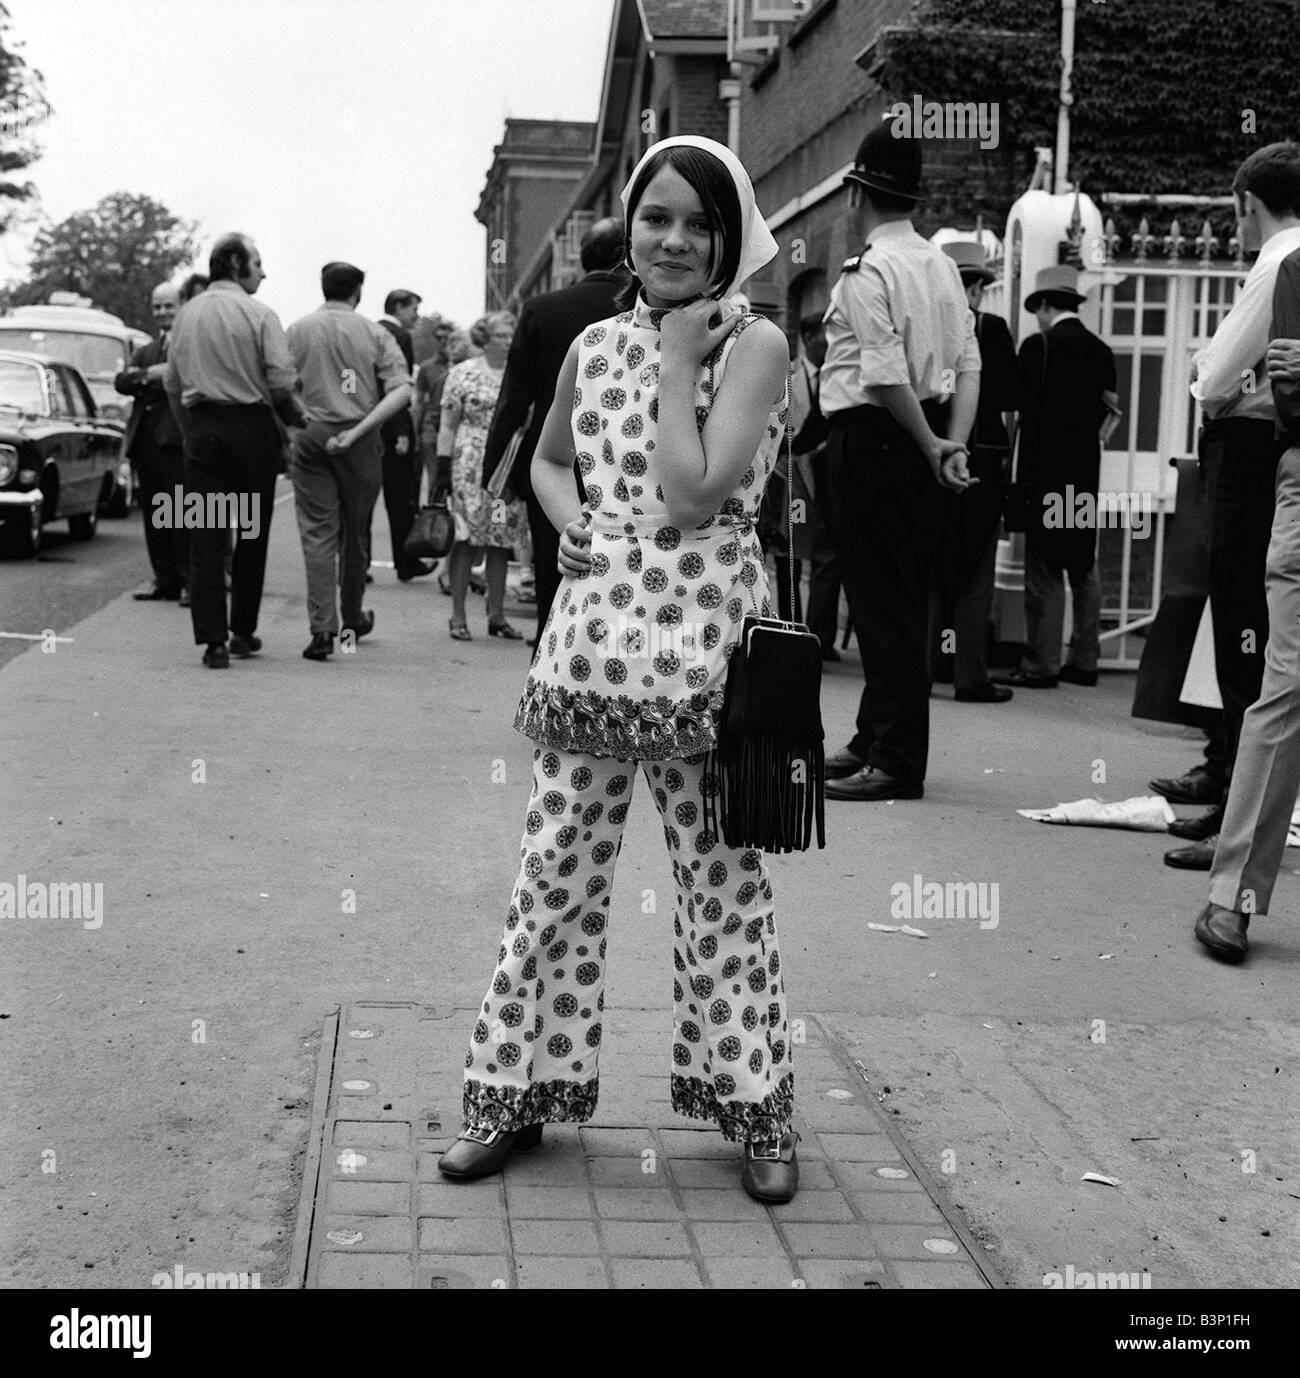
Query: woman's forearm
x=683 y=464
x=554 y=488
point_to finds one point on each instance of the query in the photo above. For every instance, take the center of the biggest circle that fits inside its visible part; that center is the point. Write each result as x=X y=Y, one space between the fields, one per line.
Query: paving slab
x=653 y=1203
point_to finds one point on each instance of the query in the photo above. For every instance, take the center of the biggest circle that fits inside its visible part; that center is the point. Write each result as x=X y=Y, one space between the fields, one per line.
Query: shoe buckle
x=485 y=1134
x=764 y=1151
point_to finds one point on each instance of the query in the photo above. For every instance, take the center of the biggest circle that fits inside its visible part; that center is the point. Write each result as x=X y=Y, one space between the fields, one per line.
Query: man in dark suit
x=153 y=444
x=547 y=326
x=1069 y=379
x=962 y=602
x=401 y=457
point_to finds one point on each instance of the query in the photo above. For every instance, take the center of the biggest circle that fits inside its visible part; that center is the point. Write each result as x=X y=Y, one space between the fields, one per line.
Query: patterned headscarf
x=757 y=246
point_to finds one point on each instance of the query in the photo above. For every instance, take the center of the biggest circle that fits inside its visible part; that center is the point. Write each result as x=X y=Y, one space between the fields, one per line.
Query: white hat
x=757 y=245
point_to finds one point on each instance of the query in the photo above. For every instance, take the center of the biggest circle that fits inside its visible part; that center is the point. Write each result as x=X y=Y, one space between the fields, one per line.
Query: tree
x=115 y=253
x=23 y=110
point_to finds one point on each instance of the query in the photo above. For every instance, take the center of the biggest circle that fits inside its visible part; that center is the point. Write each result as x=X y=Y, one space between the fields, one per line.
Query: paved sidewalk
x=639 y=1198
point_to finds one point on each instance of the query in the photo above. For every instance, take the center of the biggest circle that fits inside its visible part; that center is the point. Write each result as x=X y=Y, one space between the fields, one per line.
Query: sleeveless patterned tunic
x=632 y=660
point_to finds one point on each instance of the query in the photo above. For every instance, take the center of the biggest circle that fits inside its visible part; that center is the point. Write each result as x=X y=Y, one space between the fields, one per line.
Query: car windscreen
x=89 y=354
x=20 y=386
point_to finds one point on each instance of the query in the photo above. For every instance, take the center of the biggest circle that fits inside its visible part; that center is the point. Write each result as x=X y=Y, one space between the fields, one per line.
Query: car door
x=103 y=441
x=78 y=491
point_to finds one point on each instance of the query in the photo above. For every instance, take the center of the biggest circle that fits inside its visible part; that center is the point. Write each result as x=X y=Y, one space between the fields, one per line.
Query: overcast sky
x=352 y=129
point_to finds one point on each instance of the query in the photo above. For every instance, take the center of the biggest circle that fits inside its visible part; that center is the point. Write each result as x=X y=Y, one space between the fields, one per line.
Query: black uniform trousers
x=1239 y=459
x=161 y=469
x=236 y=450
x=886 y=508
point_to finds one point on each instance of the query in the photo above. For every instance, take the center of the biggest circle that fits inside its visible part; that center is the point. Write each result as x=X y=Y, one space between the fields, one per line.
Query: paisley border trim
x=661 y=729
x=739 y=1121
x=514 y=1107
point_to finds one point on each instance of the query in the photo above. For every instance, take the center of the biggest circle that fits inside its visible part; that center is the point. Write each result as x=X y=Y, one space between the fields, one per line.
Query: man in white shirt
x=1239 y=461
x=1232 y=380
x=899 y=388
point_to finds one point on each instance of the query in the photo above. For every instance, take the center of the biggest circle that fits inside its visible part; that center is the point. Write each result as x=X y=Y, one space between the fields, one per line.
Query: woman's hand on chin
x=686 y=336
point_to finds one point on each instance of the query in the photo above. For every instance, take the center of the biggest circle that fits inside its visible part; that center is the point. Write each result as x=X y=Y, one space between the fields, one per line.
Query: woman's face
x=671 y=240
x=498 y=341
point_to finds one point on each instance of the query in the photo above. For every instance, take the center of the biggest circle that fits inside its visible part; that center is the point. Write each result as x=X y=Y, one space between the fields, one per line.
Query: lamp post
x=1066 y=99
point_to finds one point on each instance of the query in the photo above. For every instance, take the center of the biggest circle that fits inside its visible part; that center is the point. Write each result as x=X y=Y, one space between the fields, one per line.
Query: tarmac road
x=157 y=1070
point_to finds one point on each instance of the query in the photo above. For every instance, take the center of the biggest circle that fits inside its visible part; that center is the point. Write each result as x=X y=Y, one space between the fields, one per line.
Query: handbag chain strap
x=789 y=486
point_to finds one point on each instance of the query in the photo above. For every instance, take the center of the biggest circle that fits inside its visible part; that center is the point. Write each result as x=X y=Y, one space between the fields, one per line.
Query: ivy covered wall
x=1169 y=95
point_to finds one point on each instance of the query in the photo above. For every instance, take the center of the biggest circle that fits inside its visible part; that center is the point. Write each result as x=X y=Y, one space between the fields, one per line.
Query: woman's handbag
x=496 y=484
x=769 y=767
x=432 y=533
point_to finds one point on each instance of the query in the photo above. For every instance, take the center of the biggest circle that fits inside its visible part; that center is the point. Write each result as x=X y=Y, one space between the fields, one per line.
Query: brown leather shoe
x=481 y=1151
x=843 y=763
x=1198 y=857
x=872 y=784
x=1197 y=829
x=1198 y=786
x=1223 y=931
x=771 y=1169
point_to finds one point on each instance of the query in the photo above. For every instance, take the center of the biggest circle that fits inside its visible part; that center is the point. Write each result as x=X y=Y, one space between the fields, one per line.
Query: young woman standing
x=676 y=409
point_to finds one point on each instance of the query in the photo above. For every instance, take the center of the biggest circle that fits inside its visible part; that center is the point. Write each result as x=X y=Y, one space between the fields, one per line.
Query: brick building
x=810 y=92
x=666 y=72
x=534 y=170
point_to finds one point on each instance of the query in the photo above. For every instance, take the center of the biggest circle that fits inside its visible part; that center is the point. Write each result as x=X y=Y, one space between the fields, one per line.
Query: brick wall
x=696 y=106
x=808 y=114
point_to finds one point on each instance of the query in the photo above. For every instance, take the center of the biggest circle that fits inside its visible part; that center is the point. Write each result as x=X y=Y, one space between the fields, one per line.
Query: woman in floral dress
x=469 y=397
x=676 y=422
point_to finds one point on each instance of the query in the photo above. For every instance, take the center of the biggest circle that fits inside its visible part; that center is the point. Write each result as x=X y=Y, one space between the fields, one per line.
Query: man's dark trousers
x=824 y=578
x=546 y=554
x=161 y=469
x=401 y=481
x=232 y=449
x=334 y=495
x=885 y=509
x=1239 y=459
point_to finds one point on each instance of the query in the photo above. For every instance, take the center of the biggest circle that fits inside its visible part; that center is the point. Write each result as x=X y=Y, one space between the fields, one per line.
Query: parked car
x=98 y=345
x=58 y=459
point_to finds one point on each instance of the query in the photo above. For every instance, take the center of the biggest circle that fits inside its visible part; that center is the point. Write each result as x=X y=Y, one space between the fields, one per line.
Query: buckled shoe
x=771 y=1169
x=481 y=1151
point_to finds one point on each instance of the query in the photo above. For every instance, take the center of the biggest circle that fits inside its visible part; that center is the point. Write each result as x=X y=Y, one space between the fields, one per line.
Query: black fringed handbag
x=769 y=763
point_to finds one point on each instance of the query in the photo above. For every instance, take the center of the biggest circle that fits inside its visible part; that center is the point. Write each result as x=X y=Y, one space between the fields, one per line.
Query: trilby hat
x=1059 y=281
x=970 y=260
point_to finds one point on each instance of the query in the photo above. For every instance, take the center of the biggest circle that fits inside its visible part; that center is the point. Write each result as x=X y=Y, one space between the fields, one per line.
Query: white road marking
x=33 y=636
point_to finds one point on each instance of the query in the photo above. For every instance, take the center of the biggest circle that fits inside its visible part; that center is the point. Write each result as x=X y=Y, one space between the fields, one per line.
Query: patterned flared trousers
x=534 y=1051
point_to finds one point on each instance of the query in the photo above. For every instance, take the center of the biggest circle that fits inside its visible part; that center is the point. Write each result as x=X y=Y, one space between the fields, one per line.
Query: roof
x=684 y=18
x=85 y=321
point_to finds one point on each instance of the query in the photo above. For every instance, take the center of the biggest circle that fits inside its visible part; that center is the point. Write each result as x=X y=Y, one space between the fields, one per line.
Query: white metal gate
x=1155 y=316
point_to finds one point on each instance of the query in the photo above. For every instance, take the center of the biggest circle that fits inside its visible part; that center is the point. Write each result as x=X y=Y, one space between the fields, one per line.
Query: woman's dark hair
x=193 y=285
x=717 y=192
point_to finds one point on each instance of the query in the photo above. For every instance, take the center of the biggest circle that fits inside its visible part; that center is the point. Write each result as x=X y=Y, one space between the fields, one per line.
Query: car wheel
x=119 y=500
x=83 y=525
x=23 y=538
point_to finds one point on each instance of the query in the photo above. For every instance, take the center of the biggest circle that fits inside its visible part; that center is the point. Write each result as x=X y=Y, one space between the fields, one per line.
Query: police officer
x=899 y=387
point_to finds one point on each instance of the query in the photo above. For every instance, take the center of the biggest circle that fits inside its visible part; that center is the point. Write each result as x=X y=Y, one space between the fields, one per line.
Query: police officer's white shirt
x=900 y=317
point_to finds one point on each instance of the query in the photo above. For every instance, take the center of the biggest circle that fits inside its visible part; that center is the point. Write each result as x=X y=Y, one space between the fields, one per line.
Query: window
x=70 y=385
x=20 y=387
x=94 y=355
